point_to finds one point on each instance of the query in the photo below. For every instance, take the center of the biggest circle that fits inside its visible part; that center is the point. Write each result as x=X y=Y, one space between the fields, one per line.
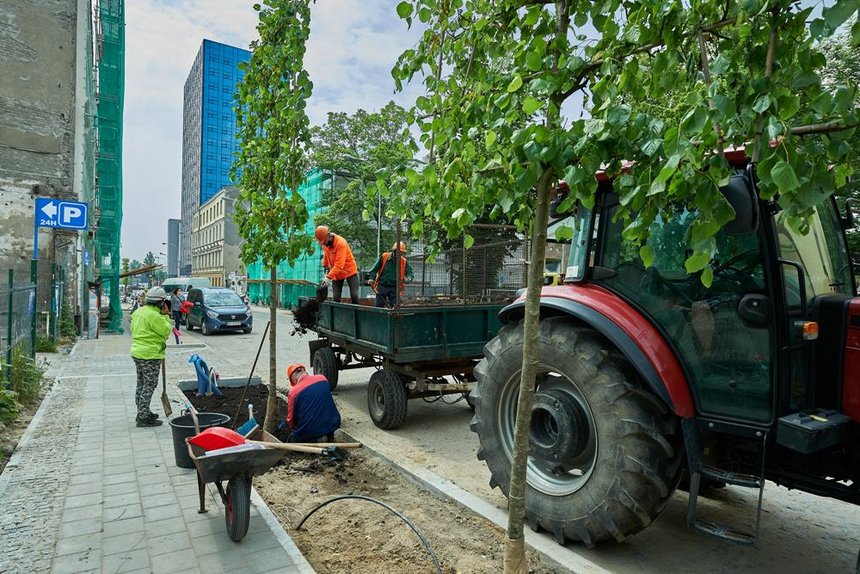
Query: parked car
x=218 y=309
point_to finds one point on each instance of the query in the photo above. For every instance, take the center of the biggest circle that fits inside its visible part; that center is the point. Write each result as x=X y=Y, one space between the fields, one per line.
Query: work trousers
x=386 y=296
x=147 y=380
x=337 y=288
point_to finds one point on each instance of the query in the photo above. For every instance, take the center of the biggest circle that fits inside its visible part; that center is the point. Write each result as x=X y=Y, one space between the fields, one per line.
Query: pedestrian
x=176 y=311
x=385 y=283
x=150 y=328
x=339 y=264
x=311 y=412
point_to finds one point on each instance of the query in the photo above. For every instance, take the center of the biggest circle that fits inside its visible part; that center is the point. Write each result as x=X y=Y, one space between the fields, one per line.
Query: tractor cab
x=770 y=351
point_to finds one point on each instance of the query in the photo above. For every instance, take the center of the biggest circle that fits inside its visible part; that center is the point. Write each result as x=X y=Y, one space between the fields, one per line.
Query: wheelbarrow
x=236 y=466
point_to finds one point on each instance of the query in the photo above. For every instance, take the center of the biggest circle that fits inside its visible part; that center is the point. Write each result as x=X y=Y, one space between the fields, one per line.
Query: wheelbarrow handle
x=193 y=412
x=325 y=444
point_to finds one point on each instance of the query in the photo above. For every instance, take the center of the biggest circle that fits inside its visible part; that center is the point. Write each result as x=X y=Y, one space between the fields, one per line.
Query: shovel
x=326 y=448
x=165 y=402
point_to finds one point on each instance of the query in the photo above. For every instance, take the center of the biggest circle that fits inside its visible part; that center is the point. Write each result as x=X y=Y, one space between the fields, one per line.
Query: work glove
x=325 y=282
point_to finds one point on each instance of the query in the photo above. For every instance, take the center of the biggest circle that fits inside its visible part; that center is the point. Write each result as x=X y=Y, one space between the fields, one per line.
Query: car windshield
x=223 y=299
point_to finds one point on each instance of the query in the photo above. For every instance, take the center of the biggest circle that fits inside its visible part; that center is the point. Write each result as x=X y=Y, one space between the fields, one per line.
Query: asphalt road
x=799 y=532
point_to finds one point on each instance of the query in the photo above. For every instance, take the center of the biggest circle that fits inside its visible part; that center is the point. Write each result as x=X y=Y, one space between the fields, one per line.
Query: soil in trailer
x=350 y=536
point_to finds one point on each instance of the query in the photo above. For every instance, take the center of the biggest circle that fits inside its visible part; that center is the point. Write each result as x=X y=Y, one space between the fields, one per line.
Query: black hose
x=424 y=541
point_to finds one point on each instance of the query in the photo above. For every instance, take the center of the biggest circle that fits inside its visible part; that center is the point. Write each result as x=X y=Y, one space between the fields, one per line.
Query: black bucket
x=183 y=428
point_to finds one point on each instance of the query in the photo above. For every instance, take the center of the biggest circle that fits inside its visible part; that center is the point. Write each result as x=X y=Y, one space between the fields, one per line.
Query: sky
x=352 y=47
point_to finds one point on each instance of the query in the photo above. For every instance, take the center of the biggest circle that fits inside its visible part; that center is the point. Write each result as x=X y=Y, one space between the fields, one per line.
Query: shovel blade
x=165 y=404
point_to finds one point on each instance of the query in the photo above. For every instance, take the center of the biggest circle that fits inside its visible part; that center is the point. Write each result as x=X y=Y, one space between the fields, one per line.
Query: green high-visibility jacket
x=149 y=332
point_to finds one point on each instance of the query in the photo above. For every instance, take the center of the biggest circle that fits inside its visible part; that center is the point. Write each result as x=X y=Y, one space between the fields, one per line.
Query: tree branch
x=706 y=70
x=823 y=128
x=768 y=69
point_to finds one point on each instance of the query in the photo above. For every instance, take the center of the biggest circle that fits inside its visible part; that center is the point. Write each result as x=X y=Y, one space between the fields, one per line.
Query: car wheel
x=204 y=328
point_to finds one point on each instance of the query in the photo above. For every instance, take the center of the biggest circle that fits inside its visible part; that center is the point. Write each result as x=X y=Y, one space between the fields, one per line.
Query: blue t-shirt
x=314 y=412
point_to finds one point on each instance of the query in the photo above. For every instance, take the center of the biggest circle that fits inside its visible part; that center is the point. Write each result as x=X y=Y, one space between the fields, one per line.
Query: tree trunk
x=515 y=560
x=272 y=403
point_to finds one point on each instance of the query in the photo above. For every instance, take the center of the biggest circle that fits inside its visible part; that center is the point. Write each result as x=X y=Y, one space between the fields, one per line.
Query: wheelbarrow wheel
x=386 y=399
x=237 y=510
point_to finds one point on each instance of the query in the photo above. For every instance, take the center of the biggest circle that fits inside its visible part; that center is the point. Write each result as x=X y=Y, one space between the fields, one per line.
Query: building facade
x=216 y=243
x=61 y=101
x=173 y=247
x=208 y=133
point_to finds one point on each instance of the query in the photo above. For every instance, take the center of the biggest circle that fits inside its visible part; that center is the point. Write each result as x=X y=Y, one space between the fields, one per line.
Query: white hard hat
x=156 y=295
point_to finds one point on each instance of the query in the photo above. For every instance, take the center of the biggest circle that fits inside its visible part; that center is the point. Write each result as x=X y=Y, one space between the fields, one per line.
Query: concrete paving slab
x=88 y=491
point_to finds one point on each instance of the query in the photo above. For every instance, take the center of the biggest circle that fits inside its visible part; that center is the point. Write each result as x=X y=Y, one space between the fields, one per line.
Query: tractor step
x=699 y=471
x=729 y=477
x=725 y=532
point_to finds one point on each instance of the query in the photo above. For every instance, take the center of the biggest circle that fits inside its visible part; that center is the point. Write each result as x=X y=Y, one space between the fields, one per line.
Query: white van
x=184 y=283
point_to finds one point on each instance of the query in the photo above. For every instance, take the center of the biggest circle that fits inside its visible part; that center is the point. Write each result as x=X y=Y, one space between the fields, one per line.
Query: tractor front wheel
x=325 y=363
x=604 y=453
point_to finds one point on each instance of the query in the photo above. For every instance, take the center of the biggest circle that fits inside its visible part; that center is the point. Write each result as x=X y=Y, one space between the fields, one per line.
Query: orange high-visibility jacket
x=339 y=260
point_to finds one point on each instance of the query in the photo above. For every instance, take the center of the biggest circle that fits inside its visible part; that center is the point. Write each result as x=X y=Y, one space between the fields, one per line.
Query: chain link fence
x=17 y=305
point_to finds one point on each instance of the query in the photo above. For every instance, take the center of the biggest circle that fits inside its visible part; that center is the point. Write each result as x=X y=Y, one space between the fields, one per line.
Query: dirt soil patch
x=11 y=432
x=348 y=533
x=358 y=536
x=227 y=404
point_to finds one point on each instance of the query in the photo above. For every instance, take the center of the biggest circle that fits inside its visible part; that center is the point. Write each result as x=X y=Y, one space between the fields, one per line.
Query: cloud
x=352 y=48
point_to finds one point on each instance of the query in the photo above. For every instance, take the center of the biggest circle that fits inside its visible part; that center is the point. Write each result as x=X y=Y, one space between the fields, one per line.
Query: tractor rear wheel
x=604 y=453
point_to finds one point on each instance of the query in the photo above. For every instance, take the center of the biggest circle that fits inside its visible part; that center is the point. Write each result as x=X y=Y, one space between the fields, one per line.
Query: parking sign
x=61 y=214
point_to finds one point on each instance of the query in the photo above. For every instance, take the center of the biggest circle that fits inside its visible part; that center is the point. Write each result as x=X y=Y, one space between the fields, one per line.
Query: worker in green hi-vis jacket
x=385 y=283
x=150 y=328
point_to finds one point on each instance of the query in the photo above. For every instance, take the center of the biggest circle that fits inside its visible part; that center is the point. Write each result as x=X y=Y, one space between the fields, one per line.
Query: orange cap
x=291 y=369
x=321 y=233
x=401 y=246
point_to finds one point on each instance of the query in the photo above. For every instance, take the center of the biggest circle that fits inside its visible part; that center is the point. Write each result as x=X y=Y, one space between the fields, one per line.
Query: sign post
x=59 y=214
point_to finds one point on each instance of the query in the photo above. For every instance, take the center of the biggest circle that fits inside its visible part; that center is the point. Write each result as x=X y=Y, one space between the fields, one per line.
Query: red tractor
x=646 y=375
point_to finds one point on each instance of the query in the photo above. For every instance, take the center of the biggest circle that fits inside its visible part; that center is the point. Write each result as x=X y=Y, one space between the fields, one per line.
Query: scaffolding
x=110 y=42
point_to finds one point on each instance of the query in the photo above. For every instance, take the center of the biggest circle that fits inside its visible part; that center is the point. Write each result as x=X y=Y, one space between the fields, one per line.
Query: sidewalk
x=88 y=491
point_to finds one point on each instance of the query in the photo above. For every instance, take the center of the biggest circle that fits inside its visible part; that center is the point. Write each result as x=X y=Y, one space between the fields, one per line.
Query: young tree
x=274 y=134
x=498 y=73
x=354 y=148
x=124 y=269
x=149 y=259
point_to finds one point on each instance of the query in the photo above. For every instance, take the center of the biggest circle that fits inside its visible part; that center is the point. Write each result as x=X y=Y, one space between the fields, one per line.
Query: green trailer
x=417 y=351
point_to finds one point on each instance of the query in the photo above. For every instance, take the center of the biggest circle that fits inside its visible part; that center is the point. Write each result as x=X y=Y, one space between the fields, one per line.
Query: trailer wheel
x=325 y=363
x=604 y=453
x=237 y=508
x=386 y=399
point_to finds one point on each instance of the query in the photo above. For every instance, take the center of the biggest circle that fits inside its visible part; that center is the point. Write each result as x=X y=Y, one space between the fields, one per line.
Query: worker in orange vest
x=385 y=283
x=339 y=264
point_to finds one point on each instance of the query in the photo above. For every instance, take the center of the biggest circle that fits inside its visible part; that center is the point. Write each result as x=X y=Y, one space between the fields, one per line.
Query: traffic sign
x=61 y=214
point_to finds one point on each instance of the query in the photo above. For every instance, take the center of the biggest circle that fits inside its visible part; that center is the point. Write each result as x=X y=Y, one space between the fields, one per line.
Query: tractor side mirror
x=741 y=195
x=754 y=309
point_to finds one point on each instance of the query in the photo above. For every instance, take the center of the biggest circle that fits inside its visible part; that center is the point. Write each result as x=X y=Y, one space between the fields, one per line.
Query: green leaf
x=515 y=84
x=563 y=233
x=646 y=254
x=404 y=9
x=530 y=105
x=457 y=213
x=652 y=146
x=784 y=177
x=855 y=33
x=468 y=241
x=489 y=139
x=696 y=262
x=707 y=277
x=534 y=61
x=837 y=14
x=761 y=104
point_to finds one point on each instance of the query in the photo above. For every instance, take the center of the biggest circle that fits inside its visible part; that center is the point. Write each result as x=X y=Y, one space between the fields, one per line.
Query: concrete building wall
x=37 y=122
x=215 y=240
x=173 y=247
x=191 y=141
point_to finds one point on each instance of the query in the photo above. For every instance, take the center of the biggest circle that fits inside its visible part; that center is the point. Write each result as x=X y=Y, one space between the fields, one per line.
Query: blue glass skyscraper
x=209 y=131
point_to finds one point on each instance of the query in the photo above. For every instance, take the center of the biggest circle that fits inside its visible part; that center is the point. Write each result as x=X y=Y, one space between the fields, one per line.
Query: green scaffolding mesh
x=306 y=268
x=111 y=76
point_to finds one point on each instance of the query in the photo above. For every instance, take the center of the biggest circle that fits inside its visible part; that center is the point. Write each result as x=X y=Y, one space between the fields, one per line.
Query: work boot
x=149 y=422
x=152 y=415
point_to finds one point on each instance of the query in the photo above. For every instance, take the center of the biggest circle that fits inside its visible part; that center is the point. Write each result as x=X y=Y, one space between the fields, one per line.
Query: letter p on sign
x=70 y=213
